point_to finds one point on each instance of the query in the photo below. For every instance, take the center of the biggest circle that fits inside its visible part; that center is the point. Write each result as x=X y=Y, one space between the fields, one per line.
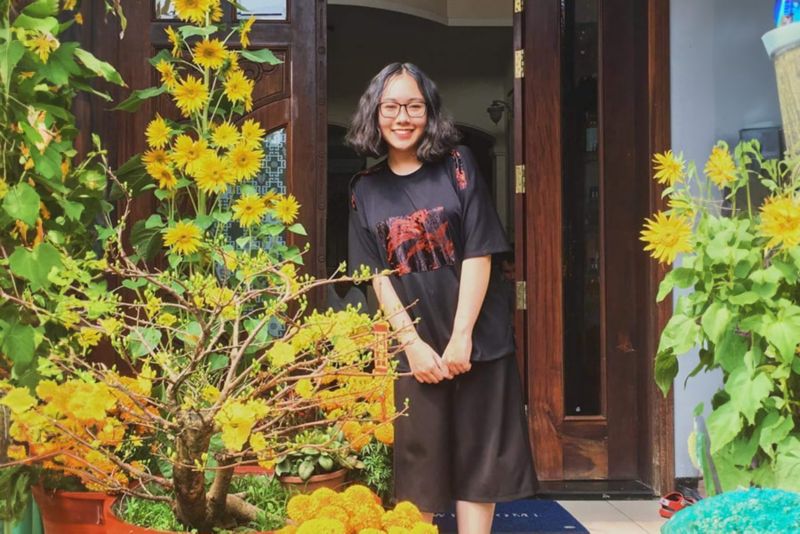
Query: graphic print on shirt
x=418 y=242
x=461 y=176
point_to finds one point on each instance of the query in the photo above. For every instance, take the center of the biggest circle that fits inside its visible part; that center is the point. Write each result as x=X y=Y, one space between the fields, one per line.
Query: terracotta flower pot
x=335 y=480
x=71 y=512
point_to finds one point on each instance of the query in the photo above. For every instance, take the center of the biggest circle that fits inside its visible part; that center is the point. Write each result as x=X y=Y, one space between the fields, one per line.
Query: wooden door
x=288 y=100
x=583 y=130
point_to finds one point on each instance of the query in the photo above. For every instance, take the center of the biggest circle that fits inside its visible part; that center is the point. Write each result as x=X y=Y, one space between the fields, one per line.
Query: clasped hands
x=430 y=368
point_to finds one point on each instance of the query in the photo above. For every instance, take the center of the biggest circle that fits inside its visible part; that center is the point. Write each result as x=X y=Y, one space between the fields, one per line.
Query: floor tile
x=652 y=527
x=600 y=517
x=639 y=510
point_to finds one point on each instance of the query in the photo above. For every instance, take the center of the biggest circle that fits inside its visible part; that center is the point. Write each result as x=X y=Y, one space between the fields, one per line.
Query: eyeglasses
x=390 y=110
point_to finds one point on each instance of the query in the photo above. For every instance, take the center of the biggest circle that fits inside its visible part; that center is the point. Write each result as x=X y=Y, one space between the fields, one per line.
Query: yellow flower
x=42 y=44
x=79 y=19
x=183 y=238
x=667 y=236
x=780 y=222
x=209 y=53
x=281 y=354
x=385 y=433
x=158 y=132
x=245 y=162
x=210 y=393
x=88 y=337
x=168 y=75
x=187 y=152
x=325 y=497
x=331 y=511
x=155 y=156
x=224 y=135
x=191 y=95
x=163 y=175
x=192 y=10
x=286 y=209
x=405 y=514
x=175 y=40
x=720 y=167
x=237 y=419
x=258 y=442
x=249 y=210
x=252 y=133
x=304 y=388
x=322 y=526
x=212 y=175
x=424 y=528
x=301 y=507
x=670 y=169
x=244 y=33
x=19 y=400
x=166 y=319
x=239 y=88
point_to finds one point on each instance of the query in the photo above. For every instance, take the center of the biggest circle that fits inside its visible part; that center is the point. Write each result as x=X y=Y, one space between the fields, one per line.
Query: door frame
x=539 y=240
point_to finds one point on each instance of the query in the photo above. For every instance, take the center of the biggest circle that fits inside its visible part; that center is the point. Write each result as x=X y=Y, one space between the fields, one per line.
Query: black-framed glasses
x=390 y=110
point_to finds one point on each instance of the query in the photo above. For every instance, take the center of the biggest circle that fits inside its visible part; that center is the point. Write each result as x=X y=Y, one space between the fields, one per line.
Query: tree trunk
x=190 y=492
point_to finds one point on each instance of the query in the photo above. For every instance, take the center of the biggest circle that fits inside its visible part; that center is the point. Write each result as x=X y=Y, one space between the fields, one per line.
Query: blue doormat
x=522 y=517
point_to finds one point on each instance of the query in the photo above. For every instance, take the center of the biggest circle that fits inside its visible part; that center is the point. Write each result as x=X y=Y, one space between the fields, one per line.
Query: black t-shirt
x=423 y=225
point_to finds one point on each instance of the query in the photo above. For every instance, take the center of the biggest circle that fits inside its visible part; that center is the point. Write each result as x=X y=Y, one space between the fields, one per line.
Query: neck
x=403 y=162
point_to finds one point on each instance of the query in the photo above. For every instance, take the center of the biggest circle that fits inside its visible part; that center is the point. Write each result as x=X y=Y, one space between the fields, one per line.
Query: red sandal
x=673 y=502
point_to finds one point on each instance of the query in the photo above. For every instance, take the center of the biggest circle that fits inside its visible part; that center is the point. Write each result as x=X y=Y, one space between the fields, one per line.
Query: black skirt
x=464 y=439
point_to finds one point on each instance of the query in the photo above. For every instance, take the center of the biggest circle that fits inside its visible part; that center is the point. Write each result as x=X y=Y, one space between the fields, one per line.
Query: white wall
x=722 y=81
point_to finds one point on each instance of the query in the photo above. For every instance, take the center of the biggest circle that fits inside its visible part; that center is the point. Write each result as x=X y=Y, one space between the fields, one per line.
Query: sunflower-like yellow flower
x=244 y=33
x=224 y=135
x=158 y=132
x=252 y=133
x=385 y=433
x=163 y=175
x=245 y=162
x=183 y=238
x=174 y=40
x=667 y=236
x=322 y=526
x=670 y=169
x=42 y=44
x=187 y=152
x=193 y=10
x=301 y=508
x=404 y=515
x=168 y=74
x=239 y=88
x=720 y=167
x=286 y=209
x=249 y=210
x=212 y=174
x=191 y=95
x=780 y=222
x=155 y=156
x=210 y=53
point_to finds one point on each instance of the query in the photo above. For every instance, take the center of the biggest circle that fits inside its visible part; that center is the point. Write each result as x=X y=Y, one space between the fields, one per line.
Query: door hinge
x=519 y=5
x=520 y=179
x=519 y=63
x=522 y=295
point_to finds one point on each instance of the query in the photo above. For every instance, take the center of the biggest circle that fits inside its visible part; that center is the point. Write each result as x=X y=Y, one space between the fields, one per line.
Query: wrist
x=462 y=331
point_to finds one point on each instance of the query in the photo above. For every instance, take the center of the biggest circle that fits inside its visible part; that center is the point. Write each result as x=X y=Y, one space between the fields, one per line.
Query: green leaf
x=680 y=334
x=747 y=392
x=217 y=362
x=61 y=66
x=787 y=465
x=134 y=283
x=99 y=67
x=298 y=229
x=133 y=175
x=194 y=31
x=788 y=270
x=146 y=241
x=715 y=321
x=35 y=265
x=729 y=352
x=784 y=335
x=143 y=341
x=261 y=56
x=191 y=334
x=223 y=217
x=22 y=203
x=41 y=9
x=163 y=55
x=743 y=299
x=305 y=470
x=10 y=54
x=326 y=462
x=72 y=210
x=724 y=424
x=47 y=24
x=138 y=96
x=154 y=221
x=19 y=344
x=666 y=369
x=774 y=429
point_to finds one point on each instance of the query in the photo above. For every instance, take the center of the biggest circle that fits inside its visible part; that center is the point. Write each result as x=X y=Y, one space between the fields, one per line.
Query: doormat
x=522 y=517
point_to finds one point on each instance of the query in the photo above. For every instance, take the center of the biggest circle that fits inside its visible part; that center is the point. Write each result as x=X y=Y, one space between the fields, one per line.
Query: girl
x=424 y=213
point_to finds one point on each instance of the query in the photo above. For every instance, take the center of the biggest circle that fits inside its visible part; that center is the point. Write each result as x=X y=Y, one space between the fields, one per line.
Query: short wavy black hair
x=364 y=135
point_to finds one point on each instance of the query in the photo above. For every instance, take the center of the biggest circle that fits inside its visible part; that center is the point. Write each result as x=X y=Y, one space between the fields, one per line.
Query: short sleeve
x=362 y=248
x=483 y=231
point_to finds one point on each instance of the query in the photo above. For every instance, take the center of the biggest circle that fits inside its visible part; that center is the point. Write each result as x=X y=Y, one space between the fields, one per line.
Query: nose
x=403 y=115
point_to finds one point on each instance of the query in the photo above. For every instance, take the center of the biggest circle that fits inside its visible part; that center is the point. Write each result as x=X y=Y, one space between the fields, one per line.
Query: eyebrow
x=411 y=101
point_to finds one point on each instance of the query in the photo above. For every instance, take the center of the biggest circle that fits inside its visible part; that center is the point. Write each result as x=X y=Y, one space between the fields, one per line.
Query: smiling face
x=402 y=96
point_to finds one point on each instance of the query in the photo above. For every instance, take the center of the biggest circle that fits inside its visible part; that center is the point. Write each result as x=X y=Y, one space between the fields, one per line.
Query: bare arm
x=472 y=290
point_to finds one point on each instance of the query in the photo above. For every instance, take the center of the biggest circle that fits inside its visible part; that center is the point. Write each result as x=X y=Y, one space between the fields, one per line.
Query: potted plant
x=321 y=458
x=217 y=354
x=742 y=263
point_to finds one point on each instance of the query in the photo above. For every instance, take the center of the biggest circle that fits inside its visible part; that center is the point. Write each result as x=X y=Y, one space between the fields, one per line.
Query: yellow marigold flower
x=359 y=494
x=245 y=162
x=168 y=75
x=239 y=88
x=183 y=238
x=334 y=512
x=192 y=10
x=212 y=175
x=325 y=497
x=155 y=156
x=187 y=152
x=667 y=236
x=385 y=433
x=210 y=53
x=42 y=44
x=404 y=515
x=158 y=132
x=244 y=32
x=322 y=526
x=398 y=530
x=301 y=507
x=371 y=530
x=224 y=135
x=163 y=175
x=286 y=209
x=249 y=210
x=281 y=354
x=252 y=133
x=670 y=169
x=174 y=40
x=365 y=515
x=780 y=222
x=720 y=167
x=424 y=528
x=89 y=337
x=19 y=400
x=191 y=95
x=304 y=388
x=288 y=529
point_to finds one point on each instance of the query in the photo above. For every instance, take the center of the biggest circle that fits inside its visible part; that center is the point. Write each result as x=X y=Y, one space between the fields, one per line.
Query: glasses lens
x=416 y=109
x=390 y=110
